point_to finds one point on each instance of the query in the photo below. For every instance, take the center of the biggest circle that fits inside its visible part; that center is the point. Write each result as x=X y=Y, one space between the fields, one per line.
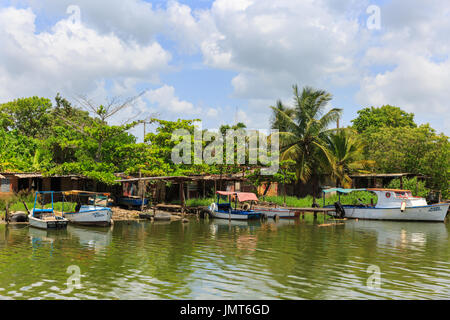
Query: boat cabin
x=393 y=198
x=235 y=197
x=387 y=198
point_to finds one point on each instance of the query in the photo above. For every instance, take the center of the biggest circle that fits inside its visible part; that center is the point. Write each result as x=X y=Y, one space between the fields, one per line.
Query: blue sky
x=229 y=59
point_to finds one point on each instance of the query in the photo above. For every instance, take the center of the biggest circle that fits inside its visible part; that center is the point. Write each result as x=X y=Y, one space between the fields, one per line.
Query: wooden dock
x=314 y=211
x=169 y=207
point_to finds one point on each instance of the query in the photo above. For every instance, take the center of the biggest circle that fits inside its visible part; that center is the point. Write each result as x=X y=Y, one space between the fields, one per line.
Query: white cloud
x=69 y=58
x=269 y=45
x=413 y=55
x=274 y=44
x=212 y=112
x=166 y=100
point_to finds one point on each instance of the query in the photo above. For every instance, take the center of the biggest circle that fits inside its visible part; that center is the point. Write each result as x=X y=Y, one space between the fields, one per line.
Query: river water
x=214 y=259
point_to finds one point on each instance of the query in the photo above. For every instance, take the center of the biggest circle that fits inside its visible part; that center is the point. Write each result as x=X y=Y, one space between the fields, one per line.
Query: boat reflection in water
x=45 y=238
x=92 y=238
x=410 y=235
x=218 y=225
x=46 y=235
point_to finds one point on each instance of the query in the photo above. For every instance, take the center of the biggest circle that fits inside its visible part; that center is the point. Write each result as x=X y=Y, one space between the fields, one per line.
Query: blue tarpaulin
x=341 y=190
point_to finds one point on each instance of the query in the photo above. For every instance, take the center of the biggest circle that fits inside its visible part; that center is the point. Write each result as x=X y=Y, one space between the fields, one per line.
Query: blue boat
x=226 y=211
x=132 y=201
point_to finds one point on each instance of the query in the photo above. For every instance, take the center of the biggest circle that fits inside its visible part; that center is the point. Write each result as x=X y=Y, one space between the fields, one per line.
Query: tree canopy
x=385 y=116
x=62 y=138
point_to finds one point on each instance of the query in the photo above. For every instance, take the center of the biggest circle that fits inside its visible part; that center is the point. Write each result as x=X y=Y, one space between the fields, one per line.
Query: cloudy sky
x=228 y=60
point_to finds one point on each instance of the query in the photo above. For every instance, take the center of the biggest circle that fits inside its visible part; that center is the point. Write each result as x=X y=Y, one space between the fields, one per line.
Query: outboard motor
x=340 y=212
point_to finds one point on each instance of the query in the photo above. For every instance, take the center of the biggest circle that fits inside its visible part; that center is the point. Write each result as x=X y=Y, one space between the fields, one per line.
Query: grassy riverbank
x=305 y=202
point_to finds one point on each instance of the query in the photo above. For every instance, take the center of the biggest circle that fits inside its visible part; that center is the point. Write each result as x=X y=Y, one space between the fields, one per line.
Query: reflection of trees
x=289 y=259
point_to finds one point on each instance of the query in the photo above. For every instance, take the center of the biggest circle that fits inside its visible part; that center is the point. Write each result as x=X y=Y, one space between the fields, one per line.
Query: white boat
x=226 y=211
x=45 y=218
x=282 y=213
x=88 y=214
x=392 y=204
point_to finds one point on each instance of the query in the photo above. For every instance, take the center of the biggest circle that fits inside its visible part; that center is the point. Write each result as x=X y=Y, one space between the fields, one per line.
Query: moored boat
x=132 y=201
x=90 y=214
x=392 y=204
x=226 y=211
x=45 y=218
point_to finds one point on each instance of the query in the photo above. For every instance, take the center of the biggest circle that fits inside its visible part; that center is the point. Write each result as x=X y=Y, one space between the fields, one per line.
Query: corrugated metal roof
x=28 y=175
x=382 y=175
x=25 y=175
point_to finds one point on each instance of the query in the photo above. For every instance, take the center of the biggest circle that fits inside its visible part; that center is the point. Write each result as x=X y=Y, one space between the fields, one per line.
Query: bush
x=411 y=184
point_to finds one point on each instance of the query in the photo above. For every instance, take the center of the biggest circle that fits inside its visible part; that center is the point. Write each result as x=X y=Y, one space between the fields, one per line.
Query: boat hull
x=90 y=217
x=431 y=213
x=56 y=223
x=132 y=202
x=279 y=212
x=234 y=216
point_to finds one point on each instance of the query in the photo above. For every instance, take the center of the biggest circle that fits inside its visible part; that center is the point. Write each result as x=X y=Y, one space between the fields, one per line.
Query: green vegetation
x=303 y=130
x=416 y=187
x=350 y=199
x=384 y=117
x=306 y=202
x=60 y=138
x=57 y=206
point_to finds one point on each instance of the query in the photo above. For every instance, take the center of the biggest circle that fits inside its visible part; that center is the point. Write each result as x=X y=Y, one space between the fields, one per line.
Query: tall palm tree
x=345 y=155
x=278 y=122
x=303 y=132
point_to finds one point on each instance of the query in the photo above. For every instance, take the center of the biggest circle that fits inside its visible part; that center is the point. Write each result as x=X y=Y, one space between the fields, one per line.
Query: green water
x=218 y=260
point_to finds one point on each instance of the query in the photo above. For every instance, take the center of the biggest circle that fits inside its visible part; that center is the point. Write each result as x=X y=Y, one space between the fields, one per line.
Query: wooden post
x=7 y=213
x=401 y=182
x=182 y=201
x=144 y=189
x=204 y=194
x=187 y=191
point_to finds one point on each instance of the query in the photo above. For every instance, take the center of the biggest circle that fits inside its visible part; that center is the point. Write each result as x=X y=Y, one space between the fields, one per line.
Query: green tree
x=278 y=120
x=345 y=154
x=413 y=150
x=306 y=130
x=417 y=188
x=385 y=116
x=29 y=116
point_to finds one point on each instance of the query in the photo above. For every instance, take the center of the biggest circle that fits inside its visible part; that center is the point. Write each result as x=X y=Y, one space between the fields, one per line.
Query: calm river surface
x=220 y=260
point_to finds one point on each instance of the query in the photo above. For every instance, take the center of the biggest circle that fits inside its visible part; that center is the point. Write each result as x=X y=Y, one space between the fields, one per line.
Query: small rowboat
x=45 y=218
x=89 y=215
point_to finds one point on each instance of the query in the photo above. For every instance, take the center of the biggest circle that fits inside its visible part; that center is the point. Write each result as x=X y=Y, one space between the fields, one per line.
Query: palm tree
x=303 y=130
x=345 y=155
x=278 y=122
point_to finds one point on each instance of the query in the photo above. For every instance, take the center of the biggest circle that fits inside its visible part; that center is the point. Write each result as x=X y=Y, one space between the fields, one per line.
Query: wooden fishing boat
x=45 y=218
x=132 y=201
x=88 y=214
x=392 y=204
x=226 y=211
